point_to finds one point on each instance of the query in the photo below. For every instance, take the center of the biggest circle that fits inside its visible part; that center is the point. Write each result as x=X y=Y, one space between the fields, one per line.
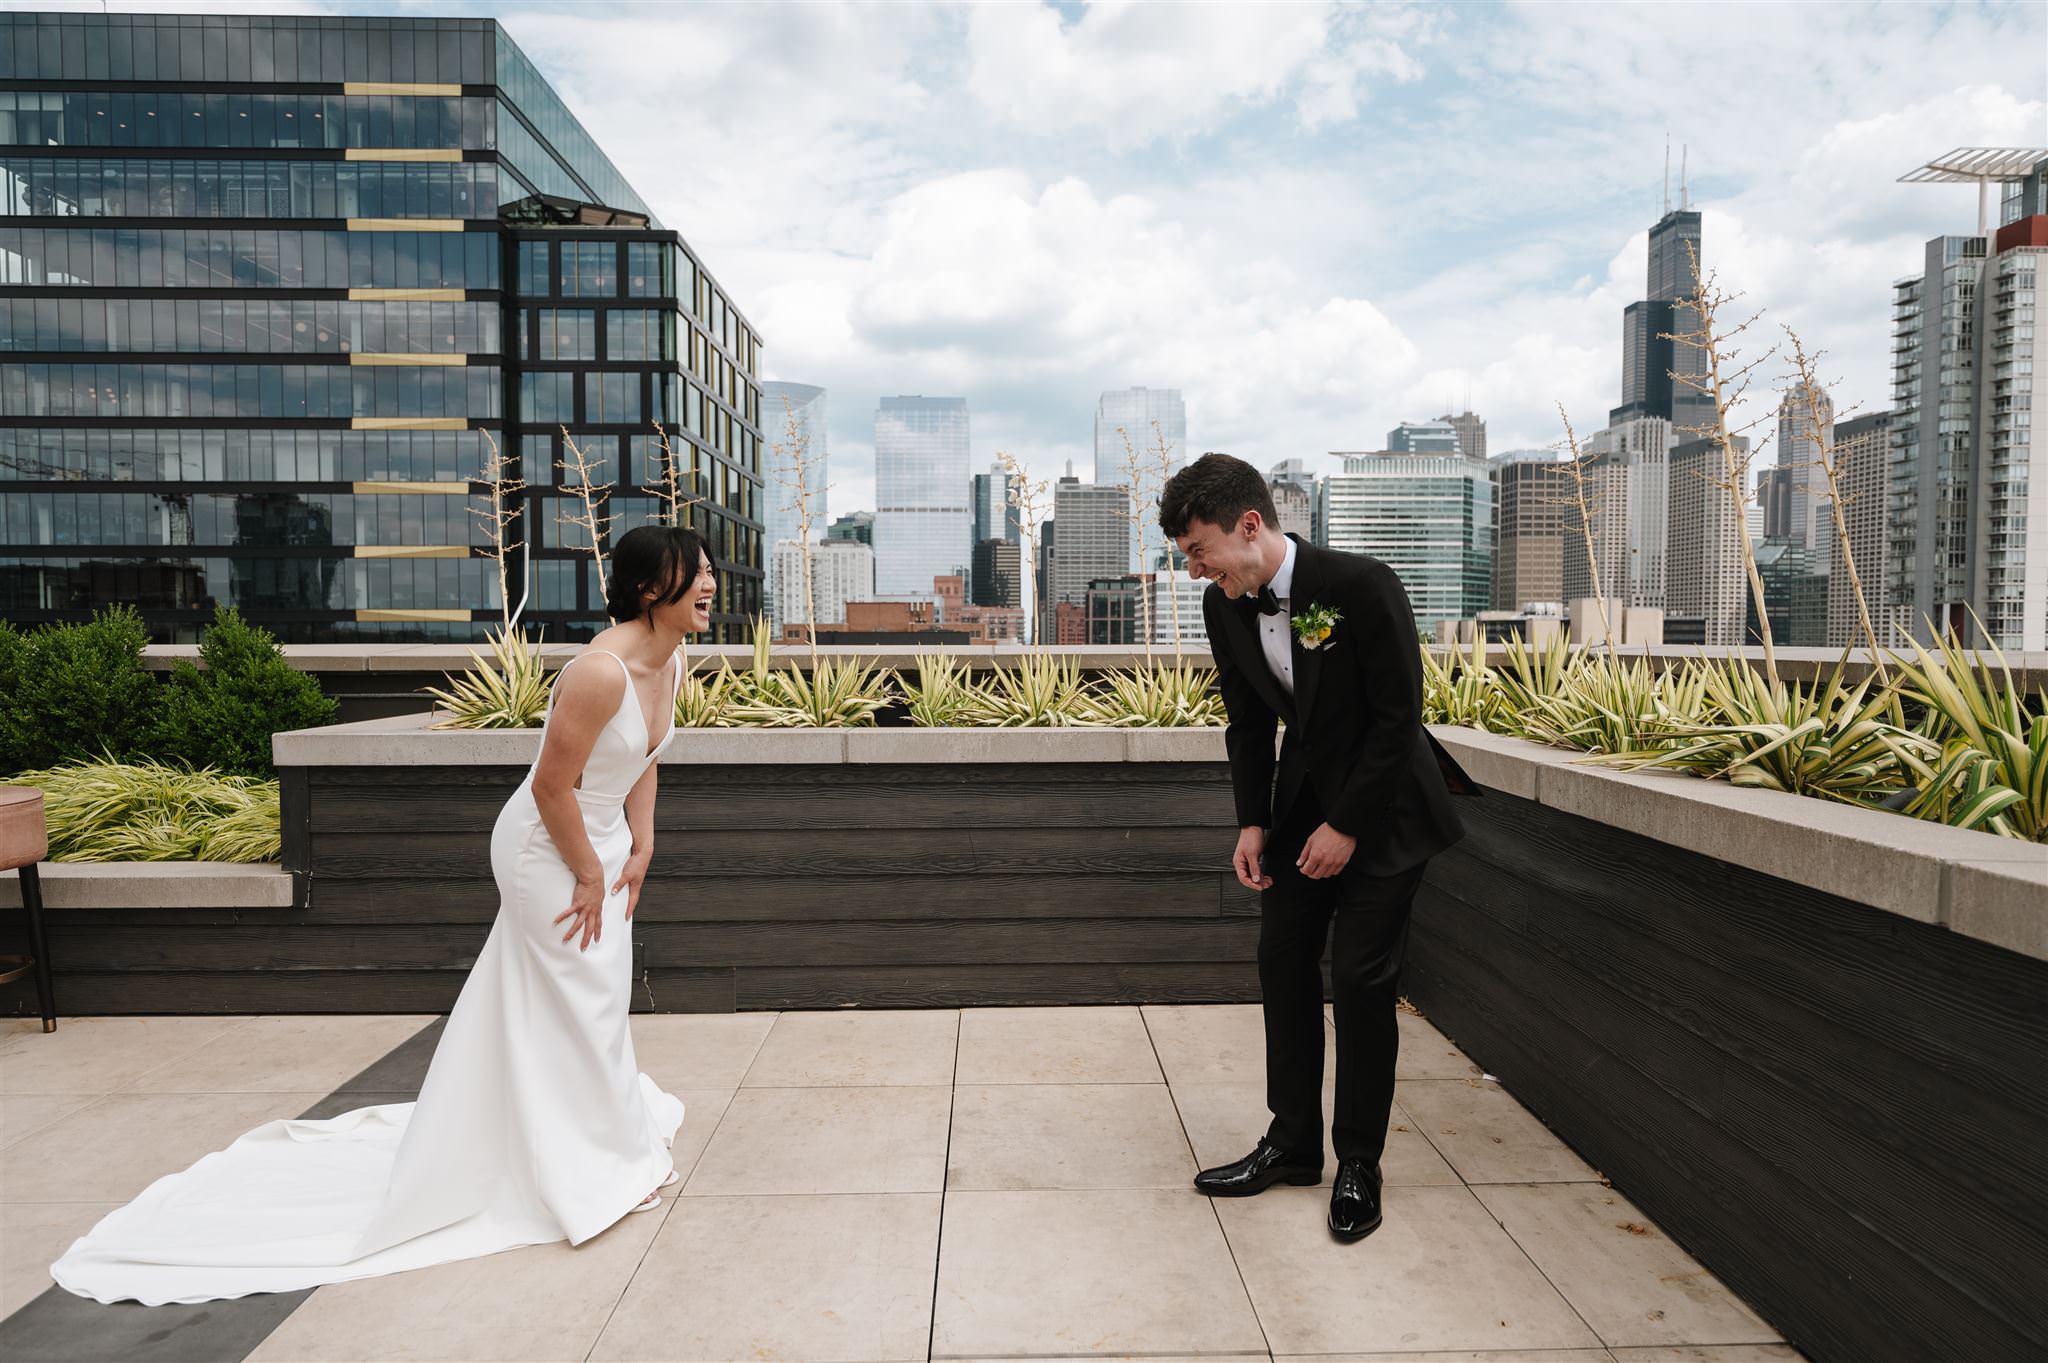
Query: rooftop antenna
x=1667 y=172
x=1684 y=184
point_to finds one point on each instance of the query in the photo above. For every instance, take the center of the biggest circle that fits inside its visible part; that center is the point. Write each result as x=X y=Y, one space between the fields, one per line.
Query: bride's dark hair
x=663 y=558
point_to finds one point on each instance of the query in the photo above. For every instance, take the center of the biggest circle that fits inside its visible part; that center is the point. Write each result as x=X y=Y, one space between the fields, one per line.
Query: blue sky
x=1316 y=220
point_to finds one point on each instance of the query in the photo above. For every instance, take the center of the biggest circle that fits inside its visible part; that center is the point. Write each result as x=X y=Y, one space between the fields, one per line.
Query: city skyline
x=1274 y=209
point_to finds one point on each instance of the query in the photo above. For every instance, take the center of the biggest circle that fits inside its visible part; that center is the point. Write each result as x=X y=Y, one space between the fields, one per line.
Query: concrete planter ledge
x=407 y=741
x=155 y=885
x=1976 y=884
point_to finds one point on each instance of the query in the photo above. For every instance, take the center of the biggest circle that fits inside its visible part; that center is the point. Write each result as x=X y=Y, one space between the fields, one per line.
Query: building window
x=533 y=268
x=639 y=334
x=590 y=269
x=613 y=399
x=547 y=398
x=568 y=334
x=647 y=273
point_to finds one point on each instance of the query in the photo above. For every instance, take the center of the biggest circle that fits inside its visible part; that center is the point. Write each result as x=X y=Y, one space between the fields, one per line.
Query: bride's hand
x=633 y=877
x=586 y=906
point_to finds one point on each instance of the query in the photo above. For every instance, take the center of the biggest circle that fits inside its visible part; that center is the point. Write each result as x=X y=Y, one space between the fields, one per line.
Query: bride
x=534 y=1123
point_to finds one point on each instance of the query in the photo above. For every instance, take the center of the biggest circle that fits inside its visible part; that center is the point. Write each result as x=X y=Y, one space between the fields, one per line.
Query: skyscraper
x=1862 y=458
x=841 y=571
x=855 y=527
x=998 y=576
x=1148 y=418
x=1801 y=443
x=1471 y=429
x=1653 y=347
x=994 y=517
x=1705 y=579
x=793 y=436
x=922 y=486
x=1967 y=492
x=1774 y=495
x=1094 y=536
x=1529 y=550
x=1424 y=437
x=1429 y=517
x=1628 y=493
x=260 y=360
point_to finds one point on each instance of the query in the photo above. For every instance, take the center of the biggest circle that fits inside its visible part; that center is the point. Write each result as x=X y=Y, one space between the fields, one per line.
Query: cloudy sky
x=1315 y=220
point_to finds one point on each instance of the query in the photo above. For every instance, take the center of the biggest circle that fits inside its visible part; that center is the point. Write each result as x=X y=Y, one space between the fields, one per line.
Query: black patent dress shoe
x=1256 y=1172
x=1355 y=1201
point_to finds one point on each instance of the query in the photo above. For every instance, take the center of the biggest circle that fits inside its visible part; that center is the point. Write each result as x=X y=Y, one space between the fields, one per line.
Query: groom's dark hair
x=1217 y=489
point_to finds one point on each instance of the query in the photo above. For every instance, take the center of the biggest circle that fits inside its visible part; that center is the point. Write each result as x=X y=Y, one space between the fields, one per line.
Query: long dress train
x=534 y=1123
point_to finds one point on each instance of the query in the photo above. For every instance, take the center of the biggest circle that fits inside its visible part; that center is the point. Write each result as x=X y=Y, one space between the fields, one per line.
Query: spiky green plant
x=1041 y=691
x=1834 y=741
x=1532 y=673
x=838 y=693
x=1990 y=770
x=943 y=695
x=1601 y=705
x=704 y=702
x=1461 y=688
x=509 y=692
x=1178 y=697
x=152 y=811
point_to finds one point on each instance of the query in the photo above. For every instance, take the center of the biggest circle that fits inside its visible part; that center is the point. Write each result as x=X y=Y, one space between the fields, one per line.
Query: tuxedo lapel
x=1244 y=620
x=1308 y=663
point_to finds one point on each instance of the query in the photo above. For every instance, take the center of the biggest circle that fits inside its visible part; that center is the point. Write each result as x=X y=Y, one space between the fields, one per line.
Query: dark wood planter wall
x=773 y=886
x=1840 y=1111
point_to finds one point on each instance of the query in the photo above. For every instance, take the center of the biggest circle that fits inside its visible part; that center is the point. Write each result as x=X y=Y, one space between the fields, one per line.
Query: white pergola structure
x=1985 y=166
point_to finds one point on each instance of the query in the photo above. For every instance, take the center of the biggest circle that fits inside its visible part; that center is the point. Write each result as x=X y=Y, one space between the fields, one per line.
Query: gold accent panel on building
x=375 y=87
x=373 y=615
x=412 y=551
x=402 y=154
x=409 y=423
x=388 y=358
x=406 y=295
x=405 y=224
x=419 y=489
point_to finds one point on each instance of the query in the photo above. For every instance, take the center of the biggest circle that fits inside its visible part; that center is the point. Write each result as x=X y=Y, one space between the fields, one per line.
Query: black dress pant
x=1371 y=939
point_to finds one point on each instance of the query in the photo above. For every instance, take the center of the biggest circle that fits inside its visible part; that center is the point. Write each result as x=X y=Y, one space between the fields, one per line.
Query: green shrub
x=223 y=716
x=73 y=692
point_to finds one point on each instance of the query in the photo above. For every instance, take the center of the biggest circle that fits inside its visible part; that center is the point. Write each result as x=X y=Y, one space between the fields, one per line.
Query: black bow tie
x=1267 y=603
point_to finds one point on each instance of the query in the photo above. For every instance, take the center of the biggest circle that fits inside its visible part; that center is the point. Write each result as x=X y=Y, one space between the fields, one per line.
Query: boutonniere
x=1315 y=625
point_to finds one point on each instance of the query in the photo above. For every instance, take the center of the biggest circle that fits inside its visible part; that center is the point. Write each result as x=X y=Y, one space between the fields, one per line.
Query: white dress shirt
x=1275 y=637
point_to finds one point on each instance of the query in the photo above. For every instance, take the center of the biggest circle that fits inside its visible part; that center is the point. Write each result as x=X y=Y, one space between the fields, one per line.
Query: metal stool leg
x=39 y=944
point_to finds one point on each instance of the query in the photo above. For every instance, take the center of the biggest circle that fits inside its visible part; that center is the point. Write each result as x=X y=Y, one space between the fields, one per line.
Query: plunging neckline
x=639 y=712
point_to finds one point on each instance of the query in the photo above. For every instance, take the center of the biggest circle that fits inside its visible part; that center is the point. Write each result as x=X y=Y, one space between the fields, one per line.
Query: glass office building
x=923 y=523
x=271 y=290
x=1429 y=517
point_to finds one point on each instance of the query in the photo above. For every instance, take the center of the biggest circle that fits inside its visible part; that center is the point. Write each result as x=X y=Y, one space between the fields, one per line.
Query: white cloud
x=1128 y=73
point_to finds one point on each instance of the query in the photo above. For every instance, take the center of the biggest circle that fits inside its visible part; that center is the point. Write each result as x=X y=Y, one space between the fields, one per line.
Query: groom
x=1340 y=826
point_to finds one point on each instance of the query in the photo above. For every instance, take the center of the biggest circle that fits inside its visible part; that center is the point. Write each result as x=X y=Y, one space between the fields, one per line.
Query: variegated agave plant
x=1989 y=770
x=1179 y=697
x=510 y=692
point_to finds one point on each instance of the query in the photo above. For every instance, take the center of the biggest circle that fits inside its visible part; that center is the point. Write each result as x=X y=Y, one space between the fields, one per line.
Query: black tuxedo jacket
x=1355 y=740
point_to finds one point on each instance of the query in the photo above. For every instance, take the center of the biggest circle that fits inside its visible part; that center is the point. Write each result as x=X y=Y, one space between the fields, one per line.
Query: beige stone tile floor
x=976 y=1184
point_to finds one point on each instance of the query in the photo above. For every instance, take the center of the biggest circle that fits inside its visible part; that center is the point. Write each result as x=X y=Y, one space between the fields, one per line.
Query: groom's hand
x=1251 y=845
x=1326 y=853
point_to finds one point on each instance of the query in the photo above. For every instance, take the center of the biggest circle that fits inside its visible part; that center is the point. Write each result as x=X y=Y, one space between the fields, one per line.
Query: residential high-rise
x=855 y=527
x=922 y=489
x=1801 y=446
x=1295 y=492
x=1471 y=429
x=1628 y=495
x=1705 y=581
x=1429 y=517
x=260 y=360
x=1862 y=461
x=793 y=454
x=1529 y=550
x=841 y=571
x=1425 y=437
x=997 y=578
x=1150 y=418
x=1094 y=537
x=1967 y=492
x=1795 y=596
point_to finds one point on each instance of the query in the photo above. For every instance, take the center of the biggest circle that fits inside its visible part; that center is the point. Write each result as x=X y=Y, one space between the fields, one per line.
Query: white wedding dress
x=534 y=1123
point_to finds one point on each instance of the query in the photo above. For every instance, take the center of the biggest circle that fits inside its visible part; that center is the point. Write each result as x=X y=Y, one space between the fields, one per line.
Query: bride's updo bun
x=663 y=559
